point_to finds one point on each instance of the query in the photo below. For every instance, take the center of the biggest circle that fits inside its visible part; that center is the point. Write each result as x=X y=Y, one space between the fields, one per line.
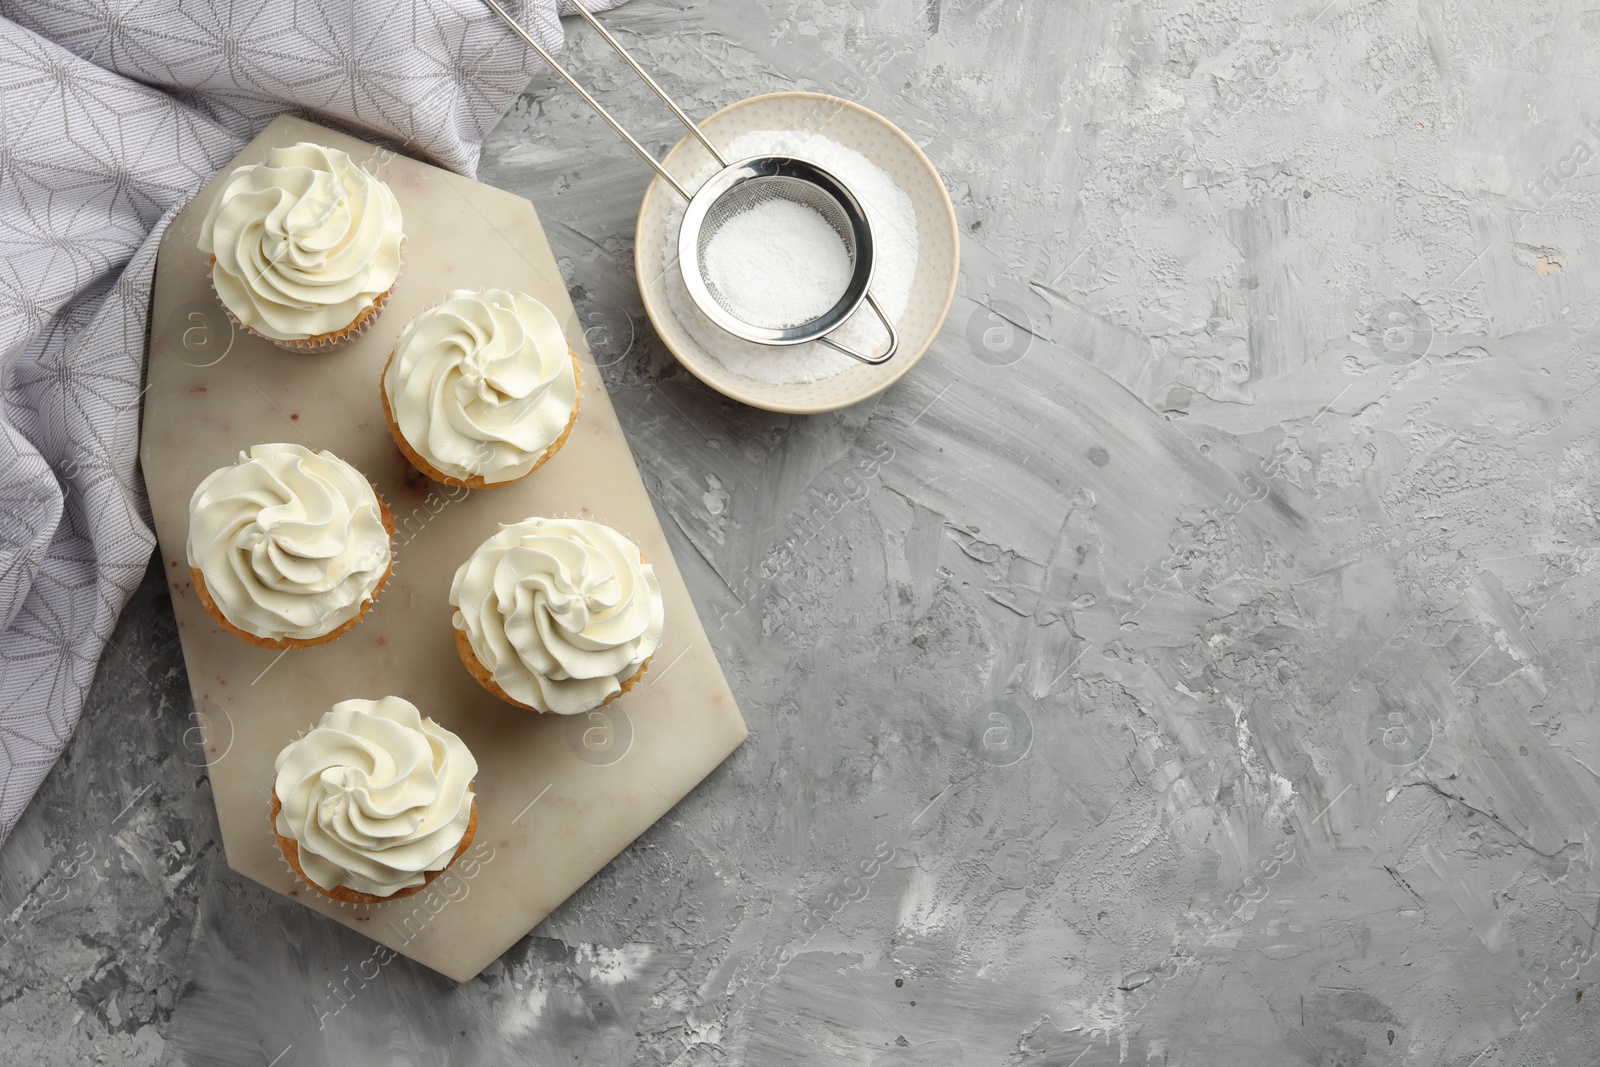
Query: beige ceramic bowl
x=887 y=147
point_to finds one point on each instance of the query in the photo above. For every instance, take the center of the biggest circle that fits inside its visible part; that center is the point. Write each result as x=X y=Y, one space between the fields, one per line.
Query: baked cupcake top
x=375 y=796
x=290 y=542
x=481 y=385
x=561 y=612
x=304 y=243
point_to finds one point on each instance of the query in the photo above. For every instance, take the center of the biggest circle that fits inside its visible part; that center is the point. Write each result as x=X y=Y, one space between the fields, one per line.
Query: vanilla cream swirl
x=291 y=543
x=483 y=384
x=304 y=243
x=560 y=611
x=375 y=796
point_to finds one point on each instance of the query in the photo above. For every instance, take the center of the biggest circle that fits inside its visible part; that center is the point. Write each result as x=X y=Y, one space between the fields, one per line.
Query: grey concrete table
x=1192 y=662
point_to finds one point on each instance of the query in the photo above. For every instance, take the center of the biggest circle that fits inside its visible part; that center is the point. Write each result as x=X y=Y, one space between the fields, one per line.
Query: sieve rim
x=755 y=168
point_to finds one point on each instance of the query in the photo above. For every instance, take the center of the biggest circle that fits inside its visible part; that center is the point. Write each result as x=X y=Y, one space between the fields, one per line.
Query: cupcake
x=305 y=247
x=373 y=802
x=557 y=615
x=288 y=547
x=481 y=389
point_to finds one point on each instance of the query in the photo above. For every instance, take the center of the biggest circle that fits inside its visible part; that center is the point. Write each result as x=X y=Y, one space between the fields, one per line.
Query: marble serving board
x=558 y=796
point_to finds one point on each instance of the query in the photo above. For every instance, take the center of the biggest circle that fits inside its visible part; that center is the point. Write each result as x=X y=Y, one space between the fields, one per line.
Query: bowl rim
x=658 y=188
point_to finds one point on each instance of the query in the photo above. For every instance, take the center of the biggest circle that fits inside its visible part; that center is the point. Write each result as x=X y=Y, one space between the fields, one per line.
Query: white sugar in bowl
x=698 y=343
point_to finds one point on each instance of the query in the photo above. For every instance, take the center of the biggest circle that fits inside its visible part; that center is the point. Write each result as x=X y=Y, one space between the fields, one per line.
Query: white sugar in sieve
x=735 y=189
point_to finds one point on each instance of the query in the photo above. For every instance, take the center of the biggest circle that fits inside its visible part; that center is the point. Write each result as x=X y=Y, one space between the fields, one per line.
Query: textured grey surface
x=1205 y=677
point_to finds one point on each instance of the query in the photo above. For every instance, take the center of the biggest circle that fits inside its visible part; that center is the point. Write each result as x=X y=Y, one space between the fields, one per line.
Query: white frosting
x=290 y=542
x=304 y=243
x=483 y=384
x=374 y=796
x=561 y=611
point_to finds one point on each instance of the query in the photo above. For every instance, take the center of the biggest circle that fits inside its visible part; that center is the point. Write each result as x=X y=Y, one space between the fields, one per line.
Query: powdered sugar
x=778 y=264
x=894 y=228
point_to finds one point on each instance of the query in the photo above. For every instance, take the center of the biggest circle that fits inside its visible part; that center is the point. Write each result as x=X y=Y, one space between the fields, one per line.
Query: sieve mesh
x=757 y=191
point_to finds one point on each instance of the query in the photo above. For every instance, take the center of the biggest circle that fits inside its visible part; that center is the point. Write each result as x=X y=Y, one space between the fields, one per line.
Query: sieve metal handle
x=871 y=361
x=644 y=153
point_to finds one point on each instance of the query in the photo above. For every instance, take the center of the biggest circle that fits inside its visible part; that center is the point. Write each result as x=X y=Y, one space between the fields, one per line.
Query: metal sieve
x=734 y=189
